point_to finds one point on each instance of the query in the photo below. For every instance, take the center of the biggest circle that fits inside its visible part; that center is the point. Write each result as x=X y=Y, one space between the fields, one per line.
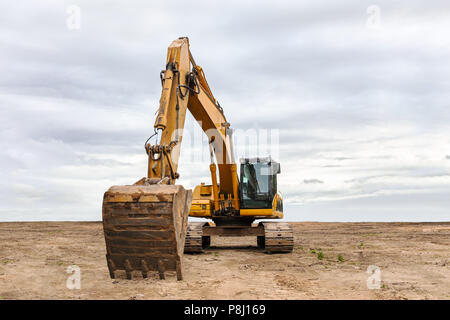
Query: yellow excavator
x=146 y=224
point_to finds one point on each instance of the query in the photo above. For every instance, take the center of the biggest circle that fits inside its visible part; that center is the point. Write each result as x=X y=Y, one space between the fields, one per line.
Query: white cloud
x=365 y=112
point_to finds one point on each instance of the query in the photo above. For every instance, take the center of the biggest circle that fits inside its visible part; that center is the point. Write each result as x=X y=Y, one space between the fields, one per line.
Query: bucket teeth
x=145 y=228
x=144 y=268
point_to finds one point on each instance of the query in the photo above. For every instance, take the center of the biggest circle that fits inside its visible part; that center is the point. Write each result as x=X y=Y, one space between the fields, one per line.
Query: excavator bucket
x=145 y=228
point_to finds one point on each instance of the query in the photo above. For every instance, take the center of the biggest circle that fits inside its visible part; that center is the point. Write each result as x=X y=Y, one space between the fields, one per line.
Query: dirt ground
x=329 y=261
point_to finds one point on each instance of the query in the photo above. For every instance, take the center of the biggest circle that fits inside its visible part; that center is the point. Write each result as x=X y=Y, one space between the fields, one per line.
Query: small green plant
x=216 y=254
x=326 y=267
x=6 y=261
x=383 y=286
x=320 y=255
x=361 y=244
x=312 y=251
x=340 y=258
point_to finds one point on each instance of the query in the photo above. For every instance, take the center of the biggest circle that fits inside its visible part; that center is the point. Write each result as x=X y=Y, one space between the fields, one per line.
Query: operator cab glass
x=258 y=182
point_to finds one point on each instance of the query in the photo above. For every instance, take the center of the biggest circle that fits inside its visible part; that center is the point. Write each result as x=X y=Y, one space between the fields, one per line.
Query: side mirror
x=275 y=168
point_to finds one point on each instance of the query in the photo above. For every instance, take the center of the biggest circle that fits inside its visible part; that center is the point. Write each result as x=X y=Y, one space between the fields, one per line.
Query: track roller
x=278 y=237
x=195 y=240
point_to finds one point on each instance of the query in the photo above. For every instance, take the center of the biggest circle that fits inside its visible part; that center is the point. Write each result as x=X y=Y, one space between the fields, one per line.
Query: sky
x=354 y=96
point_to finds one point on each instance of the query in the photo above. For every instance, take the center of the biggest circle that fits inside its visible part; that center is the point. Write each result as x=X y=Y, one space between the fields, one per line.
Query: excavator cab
x=258 y=182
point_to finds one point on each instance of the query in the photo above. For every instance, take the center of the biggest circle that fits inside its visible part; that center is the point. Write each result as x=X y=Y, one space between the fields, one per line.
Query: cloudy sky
x=356 y=93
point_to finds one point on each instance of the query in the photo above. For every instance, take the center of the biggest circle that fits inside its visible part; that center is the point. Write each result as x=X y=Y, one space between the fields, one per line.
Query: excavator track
x=278 y=237
x=145 y=228
x=195 y=241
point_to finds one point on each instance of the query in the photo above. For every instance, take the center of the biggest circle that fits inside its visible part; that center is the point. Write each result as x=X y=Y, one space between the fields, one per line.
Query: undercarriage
x=272 y=237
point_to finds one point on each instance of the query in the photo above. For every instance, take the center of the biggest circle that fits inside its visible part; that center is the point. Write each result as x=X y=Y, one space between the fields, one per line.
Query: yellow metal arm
x=184 y=89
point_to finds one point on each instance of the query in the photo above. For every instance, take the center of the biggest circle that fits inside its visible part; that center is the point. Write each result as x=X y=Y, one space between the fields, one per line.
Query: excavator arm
x=145 y=224
x=185 y=89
